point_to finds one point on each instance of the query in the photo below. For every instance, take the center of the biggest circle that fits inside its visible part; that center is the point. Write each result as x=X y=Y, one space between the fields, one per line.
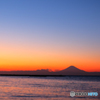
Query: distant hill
x=72 y=70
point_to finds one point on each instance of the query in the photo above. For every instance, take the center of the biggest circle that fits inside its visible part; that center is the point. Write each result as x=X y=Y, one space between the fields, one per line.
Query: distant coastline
x=51 y=75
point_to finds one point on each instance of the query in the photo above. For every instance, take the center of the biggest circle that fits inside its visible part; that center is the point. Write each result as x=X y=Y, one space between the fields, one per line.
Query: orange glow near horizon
x=20 y=58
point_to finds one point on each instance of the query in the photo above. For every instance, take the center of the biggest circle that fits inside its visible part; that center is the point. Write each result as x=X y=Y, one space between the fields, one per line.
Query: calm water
x=47 y=88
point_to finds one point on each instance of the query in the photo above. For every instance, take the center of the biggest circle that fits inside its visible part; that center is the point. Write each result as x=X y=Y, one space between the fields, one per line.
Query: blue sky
x=74 y=17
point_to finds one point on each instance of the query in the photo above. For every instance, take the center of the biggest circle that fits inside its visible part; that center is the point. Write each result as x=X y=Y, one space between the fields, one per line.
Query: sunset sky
x=49 y=34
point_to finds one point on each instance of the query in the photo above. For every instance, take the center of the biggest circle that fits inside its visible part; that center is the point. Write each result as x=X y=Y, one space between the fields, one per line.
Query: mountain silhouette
x=72 y=70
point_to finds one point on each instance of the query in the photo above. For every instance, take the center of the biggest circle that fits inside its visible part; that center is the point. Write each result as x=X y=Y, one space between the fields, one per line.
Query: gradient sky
x=49 y=34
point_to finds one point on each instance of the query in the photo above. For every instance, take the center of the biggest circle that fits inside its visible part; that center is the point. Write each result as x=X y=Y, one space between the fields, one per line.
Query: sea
x=48 y=88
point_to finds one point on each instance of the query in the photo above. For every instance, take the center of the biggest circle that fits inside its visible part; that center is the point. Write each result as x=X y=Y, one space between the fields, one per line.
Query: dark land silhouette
x=68 y=71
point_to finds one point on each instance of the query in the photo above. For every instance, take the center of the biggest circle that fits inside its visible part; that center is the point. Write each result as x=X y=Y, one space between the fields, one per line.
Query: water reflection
x=25 y=88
